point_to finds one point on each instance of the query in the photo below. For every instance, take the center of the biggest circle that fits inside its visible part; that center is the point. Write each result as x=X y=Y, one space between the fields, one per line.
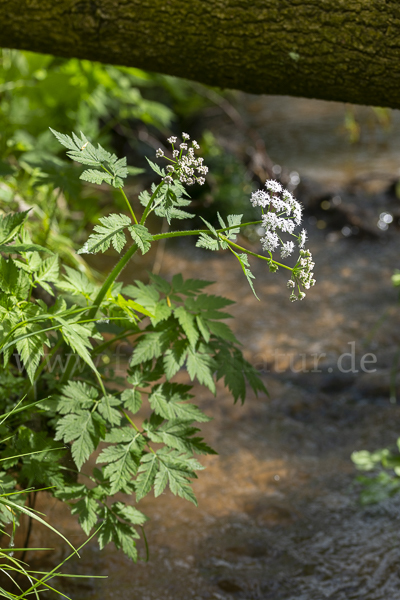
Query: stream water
x=279 y=515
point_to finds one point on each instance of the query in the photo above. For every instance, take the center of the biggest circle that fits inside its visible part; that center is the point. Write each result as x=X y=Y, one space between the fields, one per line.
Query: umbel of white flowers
x=184 y=163
x=282 y=213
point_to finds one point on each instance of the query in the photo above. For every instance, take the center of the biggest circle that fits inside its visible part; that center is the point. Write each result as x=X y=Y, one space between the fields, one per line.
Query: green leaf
x=123 y=461
x=223 y=331
x=176 y=473
x=88 y=510
x=132 y=400
x=244 y=263
x=110 y=231
x=82 y=428
x=77 y=336
x=201 y=366
x=13 y=280
x=146 y=476
x=154 y=167
x=10 y=225
x=48 y=272
x=169 y=401
x=175 y=357
x=187 y=322
x=152 y=345
x=141 y=236
x=22 y=248
x=76 y=396
x=31 y=348
x=76 y=283
x=94 y=176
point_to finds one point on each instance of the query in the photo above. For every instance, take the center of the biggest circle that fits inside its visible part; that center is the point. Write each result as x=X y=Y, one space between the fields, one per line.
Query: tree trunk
x=330 y=49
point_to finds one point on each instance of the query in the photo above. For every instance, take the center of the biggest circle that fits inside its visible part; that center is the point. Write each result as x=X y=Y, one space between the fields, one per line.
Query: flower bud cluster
x=302 y=274
x=185 y=166
x=282 y=213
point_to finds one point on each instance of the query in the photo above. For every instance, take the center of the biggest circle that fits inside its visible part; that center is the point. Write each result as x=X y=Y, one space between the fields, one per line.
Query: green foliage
x=384 y=466
x=51 y=350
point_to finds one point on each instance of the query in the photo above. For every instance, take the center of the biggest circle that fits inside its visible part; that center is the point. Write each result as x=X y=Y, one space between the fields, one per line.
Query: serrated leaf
x=31 y=348
x=154 y=167
x=10 y=225
x=13 y=280
x=178 y=479
x=110 y=231
x=141 y=236
x=94 y=176
x=223 y=331
x=76 y=396
x=123 y=460
x=106 y=408
x=80 y=429
x=201 y=366
x=244 y=263
x=76 y=283
x=87 y=508
x=132 y=400
x=146 y=476
x=22 y=248
x=201 y=324
x=152 y=345
x=175 y=357
x=169 y=400
x=129 y=513
x=48 y=272
x=187 y=322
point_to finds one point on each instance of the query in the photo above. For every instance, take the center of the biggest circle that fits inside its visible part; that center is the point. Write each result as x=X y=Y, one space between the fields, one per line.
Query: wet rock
x=267 y=513
x=227 y=585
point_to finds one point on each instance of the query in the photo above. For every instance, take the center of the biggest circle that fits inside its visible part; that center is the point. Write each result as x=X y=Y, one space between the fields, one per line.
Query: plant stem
x=172 y=234
x=129 y=206
x=110 y=280
x=148 y=207
x=254 y=254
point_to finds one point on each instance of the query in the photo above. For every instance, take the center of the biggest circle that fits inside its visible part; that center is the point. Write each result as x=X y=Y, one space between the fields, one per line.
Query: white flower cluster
x=283 y=213
x=303 y=274
x=185 y=165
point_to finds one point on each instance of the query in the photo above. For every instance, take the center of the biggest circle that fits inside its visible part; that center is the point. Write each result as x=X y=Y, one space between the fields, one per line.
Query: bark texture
x=345 y=50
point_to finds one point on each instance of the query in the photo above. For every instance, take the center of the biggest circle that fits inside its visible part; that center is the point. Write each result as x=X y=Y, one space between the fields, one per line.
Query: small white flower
x=270 y=241
x=167 y=179
x=273 y=186
x=195 y=145
x=172 y=139
x=190 y=181
x=260 y=198
x=175 y=153
x=302 y=238
x=287 y=249
x=183 y=146
x=159 y=153
x=170 y=168
x=201 y=180
x=291 y=283
x=185 y=136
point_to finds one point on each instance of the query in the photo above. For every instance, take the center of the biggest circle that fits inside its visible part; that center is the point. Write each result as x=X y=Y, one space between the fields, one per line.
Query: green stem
x=121 y=264
x=254 y=254
x=172 y=234
x=148 y=207
x=129 y=206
